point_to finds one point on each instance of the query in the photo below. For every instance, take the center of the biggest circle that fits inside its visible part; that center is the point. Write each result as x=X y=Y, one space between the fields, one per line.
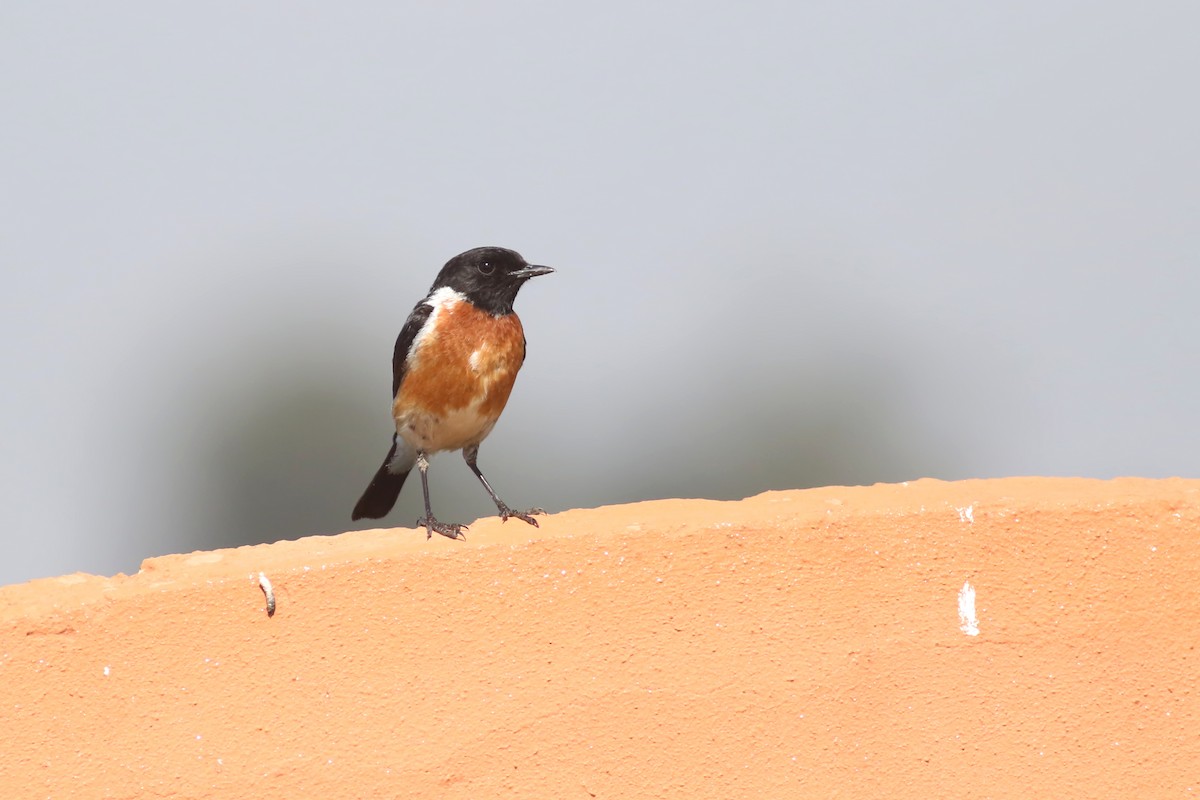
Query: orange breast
x=459 y=378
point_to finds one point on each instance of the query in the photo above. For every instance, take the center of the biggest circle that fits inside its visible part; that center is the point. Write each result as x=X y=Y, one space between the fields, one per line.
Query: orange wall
x=794 y=644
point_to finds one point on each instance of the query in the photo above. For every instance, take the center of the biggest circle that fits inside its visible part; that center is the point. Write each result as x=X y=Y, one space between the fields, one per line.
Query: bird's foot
x=524 y=516
x=449 y=530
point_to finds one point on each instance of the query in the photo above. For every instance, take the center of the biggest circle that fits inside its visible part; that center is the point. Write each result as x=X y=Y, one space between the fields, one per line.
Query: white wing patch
x=442 y=299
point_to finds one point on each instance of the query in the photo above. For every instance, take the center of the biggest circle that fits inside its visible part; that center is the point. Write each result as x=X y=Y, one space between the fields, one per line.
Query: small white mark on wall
x=966 y=514
x=967 y=622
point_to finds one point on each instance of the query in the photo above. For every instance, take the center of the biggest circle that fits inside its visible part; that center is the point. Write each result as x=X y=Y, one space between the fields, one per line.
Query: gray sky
x=798 y=244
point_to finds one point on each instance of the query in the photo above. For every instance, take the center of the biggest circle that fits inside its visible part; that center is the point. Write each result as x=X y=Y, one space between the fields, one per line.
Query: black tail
x=381 y=495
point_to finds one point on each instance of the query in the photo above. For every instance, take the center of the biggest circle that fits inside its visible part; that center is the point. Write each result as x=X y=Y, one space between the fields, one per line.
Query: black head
x=489 y=277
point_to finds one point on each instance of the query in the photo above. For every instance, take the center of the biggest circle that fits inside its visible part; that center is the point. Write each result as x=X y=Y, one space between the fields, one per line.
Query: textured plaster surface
x=1007 y=638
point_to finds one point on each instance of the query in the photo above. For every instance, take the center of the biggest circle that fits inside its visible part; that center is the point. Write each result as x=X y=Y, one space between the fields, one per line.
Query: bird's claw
x=449 y=530
x=524 y=516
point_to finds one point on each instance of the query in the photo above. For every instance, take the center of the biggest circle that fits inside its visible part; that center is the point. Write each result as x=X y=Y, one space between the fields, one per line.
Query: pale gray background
x=798 y=243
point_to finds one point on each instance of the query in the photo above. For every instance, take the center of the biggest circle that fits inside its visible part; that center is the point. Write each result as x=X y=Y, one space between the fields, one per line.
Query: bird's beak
x=532 y=271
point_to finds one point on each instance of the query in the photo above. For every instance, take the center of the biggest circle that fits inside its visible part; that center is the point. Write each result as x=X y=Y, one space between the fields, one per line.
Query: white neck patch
x=444 y=296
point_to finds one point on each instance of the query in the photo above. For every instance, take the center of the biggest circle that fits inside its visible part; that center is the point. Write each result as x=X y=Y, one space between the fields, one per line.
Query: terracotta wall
x=797 y=644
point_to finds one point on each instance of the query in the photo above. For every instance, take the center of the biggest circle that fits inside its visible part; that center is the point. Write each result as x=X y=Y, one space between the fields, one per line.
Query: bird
x=453 y=368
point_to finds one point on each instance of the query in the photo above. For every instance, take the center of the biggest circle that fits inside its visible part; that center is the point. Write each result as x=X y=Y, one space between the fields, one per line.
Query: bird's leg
x=471 y=454
x=431 y=524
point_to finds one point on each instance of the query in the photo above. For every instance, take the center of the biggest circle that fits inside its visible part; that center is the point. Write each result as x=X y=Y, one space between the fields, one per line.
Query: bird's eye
x=486 y=268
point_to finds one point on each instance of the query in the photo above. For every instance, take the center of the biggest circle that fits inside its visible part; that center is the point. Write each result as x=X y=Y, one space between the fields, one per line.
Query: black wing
x=416 y=320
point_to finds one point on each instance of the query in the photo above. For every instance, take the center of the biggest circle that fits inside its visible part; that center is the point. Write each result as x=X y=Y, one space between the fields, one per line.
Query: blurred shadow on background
x=847 y=426
x=288 y=467
x=294 y=457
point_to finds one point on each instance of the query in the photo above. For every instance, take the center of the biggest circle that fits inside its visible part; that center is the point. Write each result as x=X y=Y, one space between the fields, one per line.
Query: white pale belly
x=453 y=430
